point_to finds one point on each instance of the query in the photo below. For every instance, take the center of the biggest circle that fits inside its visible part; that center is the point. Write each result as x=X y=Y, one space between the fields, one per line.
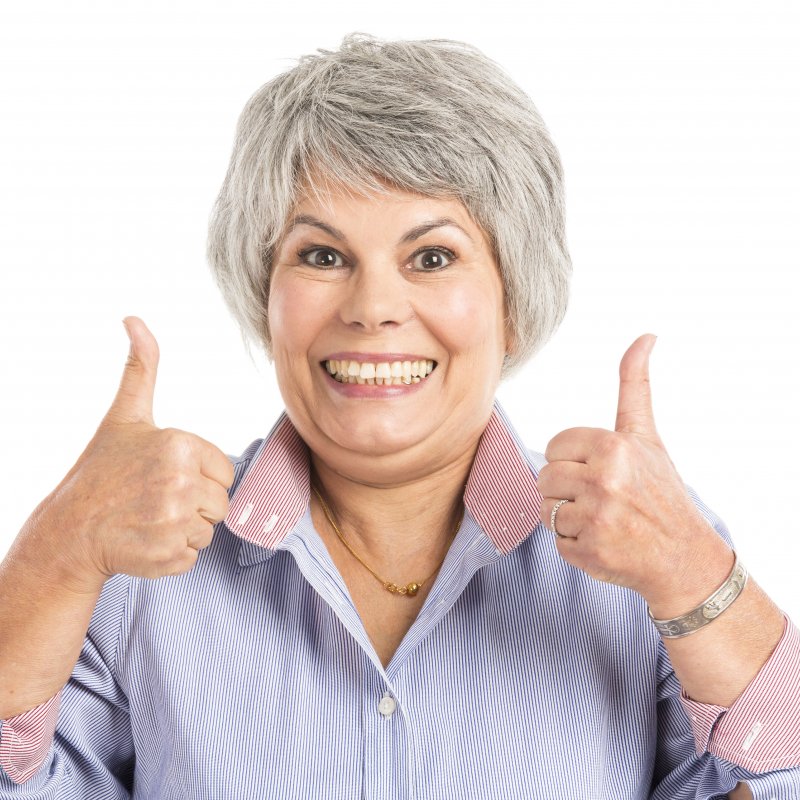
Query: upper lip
x=376 y=357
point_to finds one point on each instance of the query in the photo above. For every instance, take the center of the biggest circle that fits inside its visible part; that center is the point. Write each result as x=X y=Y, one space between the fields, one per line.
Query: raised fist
x=140 y=500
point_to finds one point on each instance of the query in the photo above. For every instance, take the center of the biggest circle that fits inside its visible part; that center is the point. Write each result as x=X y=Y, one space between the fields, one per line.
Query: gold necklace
x=410 y=589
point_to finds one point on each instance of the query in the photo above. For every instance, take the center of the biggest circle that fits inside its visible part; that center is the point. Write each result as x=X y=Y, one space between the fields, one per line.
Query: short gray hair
x=436 y=117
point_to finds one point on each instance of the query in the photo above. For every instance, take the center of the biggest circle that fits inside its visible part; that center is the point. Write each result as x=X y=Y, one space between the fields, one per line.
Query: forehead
x=340 y=205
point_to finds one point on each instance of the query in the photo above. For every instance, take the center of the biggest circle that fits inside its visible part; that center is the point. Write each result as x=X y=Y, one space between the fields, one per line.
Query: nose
x=375 y=299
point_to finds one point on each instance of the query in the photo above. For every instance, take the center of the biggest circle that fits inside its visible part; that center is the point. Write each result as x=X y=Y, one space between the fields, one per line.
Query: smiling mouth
x=379 y=373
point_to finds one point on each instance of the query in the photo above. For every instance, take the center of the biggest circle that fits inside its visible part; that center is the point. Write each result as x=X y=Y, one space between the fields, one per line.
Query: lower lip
x=365 y=391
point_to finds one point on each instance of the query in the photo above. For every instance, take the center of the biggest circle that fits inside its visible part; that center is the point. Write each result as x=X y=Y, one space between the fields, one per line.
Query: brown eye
x=432 y=259
x=325 y=258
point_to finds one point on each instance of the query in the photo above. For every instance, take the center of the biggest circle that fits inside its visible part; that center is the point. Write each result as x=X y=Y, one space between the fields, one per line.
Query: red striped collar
x=501 y=492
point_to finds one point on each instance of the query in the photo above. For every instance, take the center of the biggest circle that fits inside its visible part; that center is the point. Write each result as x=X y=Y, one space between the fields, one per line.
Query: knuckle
x=176 y=443
x=173 y=512
x=602 y=519
x=611 y=483
x=543 y=479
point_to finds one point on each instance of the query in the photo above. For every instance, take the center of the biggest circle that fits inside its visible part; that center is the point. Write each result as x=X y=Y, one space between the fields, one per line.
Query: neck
x=402 y=529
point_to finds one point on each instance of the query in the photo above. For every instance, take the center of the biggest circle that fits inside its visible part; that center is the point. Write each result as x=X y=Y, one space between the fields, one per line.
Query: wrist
x=47 y=548
x=691 y=583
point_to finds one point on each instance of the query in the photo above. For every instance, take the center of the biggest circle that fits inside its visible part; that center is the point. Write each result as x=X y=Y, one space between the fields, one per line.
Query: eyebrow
x=415 y=233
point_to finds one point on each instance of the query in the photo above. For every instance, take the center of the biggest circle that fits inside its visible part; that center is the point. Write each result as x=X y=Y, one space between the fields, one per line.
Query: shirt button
x=387 y=705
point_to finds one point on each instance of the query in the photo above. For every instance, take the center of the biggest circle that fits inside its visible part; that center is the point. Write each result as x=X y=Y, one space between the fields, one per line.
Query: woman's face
x=366 y=295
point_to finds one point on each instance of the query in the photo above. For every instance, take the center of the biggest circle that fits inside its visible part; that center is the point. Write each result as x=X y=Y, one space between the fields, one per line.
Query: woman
x=389 y=596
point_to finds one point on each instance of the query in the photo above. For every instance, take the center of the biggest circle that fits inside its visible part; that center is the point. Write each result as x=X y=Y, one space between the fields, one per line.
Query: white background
x=678 y=129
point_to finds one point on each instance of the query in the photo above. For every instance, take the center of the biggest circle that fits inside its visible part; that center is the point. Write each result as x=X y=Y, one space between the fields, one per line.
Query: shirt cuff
x=26 y=738
x=761 y=730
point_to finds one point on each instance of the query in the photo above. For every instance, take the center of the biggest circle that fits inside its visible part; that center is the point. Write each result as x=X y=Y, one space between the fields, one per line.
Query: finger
x=214 y=463
x=134 y=399
x=200 y=538
x=635 y=404
x=212 y=503
x=574 y=444
x=567 y=521
x=562 y=479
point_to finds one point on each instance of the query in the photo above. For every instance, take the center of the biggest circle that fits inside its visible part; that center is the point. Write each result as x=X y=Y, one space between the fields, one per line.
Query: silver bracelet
x=707 y=611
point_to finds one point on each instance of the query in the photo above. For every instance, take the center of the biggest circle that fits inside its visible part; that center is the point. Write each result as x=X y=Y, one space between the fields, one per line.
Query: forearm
x=717 y=662
x=44 y=615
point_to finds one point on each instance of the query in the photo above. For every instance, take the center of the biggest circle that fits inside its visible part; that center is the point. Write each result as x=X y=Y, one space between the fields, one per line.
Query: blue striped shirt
x=251 y=676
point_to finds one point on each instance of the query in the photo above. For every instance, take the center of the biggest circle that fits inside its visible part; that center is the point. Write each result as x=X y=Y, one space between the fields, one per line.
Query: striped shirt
x=251 y=675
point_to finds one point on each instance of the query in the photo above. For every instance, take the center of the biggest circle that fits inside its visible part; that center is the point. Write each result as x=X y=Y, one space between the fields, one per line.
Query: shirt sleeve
x=761 y=730
x=25 y=739
x=79 y=743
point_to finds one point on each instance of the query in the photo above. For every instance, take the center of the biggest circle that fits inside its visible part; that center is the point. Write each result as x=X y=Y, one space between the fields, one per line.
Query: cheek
x=290 y=324
x=469 y=317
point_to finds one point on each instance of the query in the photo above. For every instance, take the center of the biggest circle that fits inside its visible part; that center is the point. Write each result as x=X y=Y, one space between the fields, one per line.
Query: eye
x=433 y=258
x=327 y=261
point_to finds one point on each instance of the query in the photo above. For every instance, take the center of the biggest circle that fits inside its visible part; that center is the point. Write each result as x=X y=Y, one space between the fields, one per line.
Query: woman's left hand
x=630 y=520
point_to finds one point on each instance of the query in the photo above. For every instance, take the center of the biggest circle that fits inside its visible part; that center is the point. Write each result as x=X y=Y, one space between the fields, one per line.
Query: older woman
x=389 y=596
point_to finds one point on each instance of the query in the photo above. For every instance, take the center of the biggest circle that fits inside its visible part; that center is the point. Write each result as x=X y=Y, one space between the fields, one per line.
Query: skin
x=631 y=521
x=141 y=500
x=393 y=469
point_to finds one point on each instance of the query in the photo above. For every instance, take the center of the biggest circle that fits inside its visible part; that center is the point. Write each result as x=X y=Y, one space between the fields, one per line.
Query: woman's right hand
x=140 y=500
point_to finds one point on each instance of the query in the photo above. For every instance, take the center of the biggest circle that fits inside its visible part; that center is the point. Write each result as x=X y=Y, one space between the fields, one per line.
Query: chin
x=376 y=432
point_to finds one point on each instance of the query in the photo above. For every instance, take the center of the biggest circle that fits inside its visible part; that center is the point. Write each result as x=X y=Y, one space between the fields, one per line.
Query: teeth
x=382 y=373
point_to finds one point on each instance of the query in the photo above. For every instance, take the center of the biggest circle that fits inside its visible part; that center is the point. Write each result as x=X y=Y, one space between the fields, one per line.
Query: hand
x=140 y=500
x=630 y=520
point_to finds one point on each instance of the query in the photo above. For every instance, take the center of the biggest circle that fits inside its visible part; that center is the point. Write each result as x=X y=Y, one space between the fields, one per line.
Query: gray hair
x=436 y=117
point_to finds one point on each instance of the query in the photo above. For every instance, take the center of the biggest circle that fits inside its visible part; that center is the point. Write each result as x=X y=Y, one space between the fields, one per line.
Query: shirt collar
x=273 y=494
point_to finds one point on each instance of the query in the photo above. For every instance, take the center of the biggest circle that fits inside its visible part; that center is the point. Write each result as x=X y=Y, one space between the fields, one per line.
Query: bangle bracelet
x=707 y=611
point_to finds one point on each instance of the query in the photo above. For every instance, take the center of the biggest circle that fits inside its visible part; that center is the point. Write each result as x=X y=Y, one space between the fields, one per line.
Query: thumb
x=635 y=405
x=134 y=400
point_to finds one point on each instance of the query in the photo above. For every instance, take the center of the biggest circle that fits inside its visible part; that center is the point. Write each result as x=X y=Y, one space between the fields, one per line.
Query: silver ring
x=553 y=518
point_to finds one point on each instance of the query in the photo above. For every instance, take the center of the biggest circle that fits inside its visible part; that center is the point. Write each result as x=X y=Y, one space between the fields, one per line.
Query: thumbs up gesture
x=140 y=500
x=628 y=518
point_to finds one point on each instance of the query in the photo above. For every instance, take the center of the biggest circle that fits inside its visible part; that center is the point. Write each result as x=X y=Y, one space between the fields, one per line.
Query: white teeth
x=381 y=373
